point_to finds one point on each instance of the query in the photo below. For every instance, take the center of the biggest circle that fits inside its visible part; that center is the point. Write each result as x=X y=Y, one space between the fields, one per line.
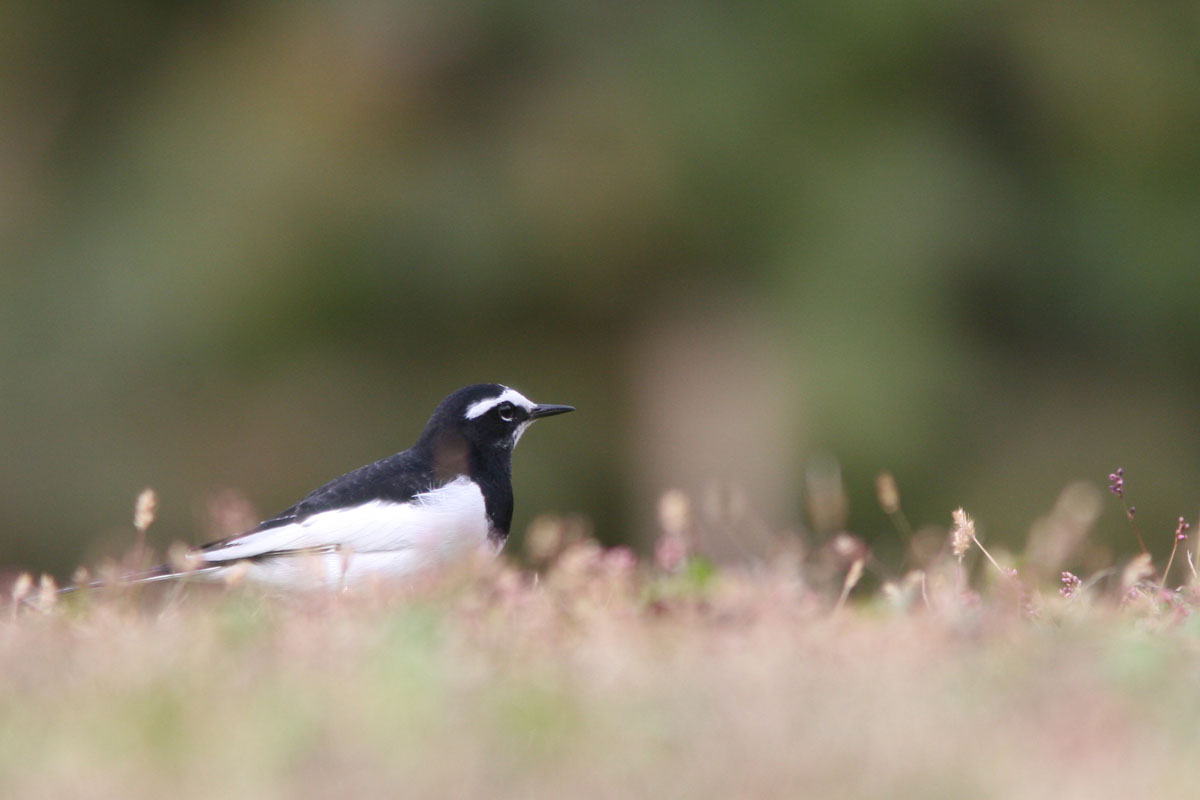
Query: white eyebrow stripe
x=481 y=407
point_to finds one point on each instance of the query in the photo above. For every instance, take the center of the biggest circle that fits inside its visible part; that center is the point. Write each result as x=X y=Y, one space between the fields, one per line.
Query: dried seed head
x=47 y=592
x=108 y=573
x=181 y=558
x=577 y=562
x=228 y=513
x=1136 y=571
x=826 y=501
x=675 y=519
x=674 y=512
x=80 y=578
x=236 y=575
x=962 y=534
x=848 y=548
x=21 y=587
x=853 y=575
x=544 y=538
x=1056 y=537
x=144 y=510
x=888 y=492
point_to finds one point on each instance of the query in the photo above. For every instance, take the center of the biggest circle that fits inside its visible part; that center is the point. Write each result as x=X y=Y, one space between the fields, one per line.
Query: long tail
x=163 y=572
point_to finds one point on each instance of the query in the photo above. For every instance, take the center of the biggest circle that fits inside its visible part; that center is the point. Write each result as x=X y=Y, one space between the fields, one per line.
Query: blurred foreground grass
x=591 y=675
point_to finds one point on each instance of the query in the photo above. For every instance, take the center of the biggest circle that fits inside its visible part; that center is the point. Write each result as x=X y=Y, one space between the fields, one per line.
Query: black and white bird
x=448 y=495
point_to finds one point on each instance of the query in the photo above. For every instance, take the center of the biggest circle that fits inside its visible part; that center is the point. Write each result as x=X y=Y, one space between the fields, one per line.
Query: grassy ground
x=595 y=676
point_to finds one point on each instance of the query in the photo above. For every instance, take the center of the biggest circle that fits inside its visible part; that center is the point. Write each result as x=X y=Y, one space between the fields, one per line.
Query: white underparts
x=378 y=538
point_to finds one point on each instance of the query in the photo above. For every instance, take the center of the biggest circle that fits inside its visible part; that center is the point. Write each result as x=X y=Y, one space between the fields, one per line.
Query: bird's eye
x=505 y=410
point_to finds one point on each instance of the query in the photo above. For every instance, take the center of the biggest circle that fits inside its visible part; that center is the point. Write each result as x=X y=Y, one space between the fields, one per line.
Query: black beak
x=540 y=411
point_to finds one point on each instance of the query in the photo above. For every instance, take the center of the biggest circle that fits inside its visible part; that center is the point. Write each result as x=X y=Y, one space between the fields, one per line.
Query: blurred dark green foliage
x=252 y=244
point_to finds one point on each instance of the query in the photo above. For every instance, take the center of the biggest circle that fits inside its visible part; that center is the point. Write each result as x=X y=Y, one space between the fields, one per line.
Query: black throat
x=451 y=456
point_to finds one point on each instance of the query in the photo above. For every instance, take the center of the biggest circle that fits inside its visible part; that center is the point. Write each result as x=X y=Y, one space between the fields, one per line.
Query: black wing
x=397 y=478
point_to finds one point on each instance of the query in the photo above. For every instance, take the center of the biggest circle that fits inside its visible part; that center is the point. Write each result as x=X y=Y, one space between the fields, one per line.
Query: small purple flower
x=1181 y=530
x=1071 y=584
x=1116 y=482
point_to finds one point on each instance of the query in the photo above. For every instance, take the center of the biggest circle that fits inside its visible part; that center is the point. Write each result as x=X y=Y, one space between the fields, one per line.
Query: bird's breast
x=450 y=520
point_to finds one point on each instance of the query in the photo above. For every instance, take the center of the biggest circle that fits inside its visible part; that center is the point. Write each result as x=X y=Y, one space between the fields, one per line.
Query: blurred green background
x=249 y=246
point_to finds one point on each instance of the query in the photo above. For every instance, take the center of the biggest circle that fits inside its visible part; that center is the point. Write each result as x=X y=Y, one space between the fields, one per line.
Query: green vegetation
x=589 y=674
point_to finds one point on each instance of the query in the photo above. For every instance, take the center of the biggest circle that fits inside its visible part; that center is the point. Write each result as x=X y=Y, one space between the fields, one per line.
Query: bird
x=448 y=496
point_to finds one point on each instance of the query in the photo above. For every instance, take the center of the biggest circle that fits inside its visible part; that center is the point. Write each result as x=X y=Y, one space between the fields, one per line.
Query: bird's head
x=488 y=415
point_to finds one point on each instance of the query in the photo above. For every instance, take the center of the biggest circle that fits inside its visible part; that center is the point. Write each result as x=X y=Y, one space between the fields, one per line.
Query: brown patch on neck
x=450 y=456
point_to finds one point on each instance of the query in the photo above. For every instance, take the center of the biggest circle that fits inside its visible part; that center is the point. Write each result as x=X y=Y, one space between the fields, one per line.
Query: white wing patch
x=481 y=407
x=435 y=526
